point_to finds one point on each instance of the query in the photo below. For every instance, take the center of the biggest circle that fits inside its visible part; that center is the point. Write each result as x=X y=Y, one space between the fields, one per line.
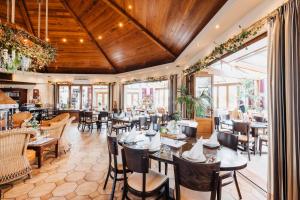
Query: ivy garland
x=148 y=79
x=14 y=38
x=230 y=46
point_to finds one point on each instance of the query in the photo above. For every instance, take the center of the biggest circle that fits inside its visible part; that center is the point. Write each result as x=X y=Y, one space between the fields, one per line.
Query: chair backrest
x=112 y=145
x=136 y=160
x=154 y=119
x=56 y=120
x=88 y=115
x=14 y=142
x=143 y=121
x=164 y=118
x=259 y=119
x=241 y=127
x=81 y=116
x=103 y=115
x=189 y=131
x=196 y=176
x=228 y=140
x=19 y=119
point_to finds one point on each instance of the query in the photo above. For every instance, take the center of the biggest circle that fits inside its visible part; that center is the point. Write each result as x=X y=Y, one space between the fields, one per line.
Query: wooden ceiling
x=114 y=36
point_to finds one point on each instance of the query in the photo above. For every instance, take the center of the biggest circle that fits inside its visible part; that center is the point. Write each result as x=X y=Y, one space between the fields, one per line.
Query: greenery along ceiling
x=21 y=44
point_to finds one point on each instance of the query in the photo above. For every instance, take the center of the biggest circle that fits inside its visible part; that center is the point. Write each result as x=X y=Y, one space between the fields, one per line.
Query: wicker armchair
x=63 y=143
x=55 y=128
x=20 y=119
x=56 y=120
x=14 y=164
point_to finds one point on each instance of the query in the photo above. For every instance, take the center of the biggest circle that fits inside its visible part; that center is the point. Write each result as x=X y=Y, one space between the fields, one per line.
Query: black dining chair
x=189 y=131
x=143 y=182
x=154 y=119
x=102 y=119
x=143 y=124
x=194 y=180
x=259 y=119
x=115 y=167
x=230 y=141
x=243 y=129
x=81 y=120
x=89 y=120
x=164 y=119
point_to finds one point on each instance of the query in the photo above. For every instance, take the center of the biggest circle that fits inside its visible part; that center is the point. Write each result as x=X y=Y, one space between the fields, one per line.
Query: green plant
x=199 y=104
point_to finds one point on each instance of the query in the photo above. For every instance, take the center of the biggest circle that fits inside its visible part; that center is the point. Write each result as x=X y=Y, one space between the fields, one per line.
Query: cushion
x=153 y=180
x=187 y=194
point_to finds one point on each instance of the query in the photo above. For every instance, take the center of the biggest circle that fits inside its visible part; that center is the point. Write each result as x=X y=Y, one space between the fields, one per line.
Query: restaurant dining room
x=149 y=99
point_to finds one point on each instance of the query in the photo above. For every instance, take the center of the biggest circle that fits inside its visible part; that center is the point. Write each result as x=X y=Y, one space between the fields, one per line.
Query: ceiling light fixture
x=130 y=7
x=47 y=39
x=64 y=40
x=120 y=24
x=81 y=40
x=100 y=37
x=217 y=26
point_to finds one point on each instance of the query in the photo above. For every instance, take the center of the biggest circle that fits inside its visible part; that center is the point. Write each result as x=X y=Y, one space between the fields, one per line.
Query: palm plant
x=199 y=104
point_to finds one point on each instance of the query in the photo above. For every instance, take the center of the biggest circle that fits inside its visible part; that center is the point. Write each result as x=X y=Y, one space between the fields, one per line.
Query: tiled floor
x=80 y=174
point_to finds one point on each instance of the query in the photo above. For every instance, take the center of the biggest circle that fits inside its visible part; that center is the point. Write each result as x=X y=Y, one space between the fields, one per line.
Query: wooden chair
x=81 y=120
x=114 y=166
x=14 y=163
x=243 y=129
x=189 y=131
x=20 y=119
x=193 y=179
x=144 y=182
x=58 y=119
x=102 y=119
x=89 y=120
x=154 y=119
x=259 y=119
x=143 y=125
x=263 y=140
x=164 y=119
x=117 y=126
x=230 y=141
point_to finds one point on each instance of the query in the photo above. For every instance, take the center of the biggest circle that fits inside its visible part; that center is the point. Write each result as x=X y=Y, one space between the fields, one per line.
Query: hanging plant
x=14 y=38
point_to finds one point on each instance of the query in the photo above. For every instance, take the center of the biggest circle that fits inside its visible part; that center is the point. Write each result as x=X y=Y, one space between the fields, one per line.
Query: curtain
x=110 y=96
x=284 y=94
x=172 y=94
x=121 y=96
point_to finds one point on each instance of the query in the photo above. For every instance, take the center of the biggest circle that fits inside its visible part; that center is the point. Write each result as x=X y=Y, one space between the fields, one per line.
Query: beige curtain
x=172 y=94
x=284 y=92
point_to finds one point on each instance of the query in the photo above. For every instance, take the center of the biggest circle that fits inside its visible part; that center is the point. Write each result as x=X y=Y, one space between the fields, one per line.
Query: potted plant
x=199 y=104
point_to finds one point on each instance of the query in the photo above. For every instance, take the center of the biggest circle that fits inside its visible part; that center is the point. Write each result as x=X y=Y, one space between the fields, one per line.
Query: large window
x=146 y=95
x=83 y=97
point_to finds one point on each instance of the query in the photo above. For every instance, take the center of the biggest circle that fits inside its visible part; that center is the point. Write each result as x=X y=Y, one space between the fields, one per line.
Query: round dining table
x=230 y=159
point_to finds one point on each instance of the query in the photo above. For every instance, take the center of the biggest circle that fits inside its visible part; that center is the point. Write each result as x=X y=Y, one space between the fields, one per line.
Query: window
x=147 y=95
x=100 y=97
x=75 y=97
x=203 y=93
x=86 y=97
x=63 y=96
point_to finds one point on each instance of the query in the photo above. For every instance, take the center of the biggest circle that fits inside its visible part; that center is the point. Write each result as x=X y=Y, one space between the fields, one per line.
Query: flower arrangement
x=21 y=50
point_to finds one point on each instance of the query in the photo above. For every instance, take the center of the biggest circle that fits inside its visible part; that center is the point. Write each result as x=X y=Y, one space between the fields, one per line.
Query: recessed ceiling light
x=25 y=40
x=81 y=40
x=100 y=37
x=64 y=40
x=47 y=39
x=129 y=7
x=120 y=24
x=217 y=26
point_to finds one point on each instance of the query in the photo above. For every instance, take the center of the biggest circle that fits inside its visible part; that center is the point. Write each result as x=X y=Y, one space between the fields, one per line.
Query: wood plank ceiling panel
x=72 y=53
x=126 y=46
x=175 y=22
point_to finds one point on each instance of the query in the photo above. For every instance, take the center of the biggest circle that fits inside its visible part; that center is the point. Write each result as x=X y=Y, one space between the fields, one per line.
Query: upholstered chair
x=14 y=163
x=20 y=119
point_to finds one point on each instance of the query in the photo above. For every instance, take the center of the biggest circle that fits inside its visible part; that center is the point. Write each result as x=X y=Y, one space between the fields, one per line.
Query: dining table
x=229 y=159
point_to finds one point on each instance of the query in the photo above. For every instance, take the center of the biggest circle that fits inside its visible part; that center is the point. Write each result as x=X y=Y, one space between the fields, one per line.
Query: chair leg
x=166 y=168
x=260 y=147
x=124 y=193
x=159 y=166
x=107 y=176
x=248 y=150
x=167 y=190
x=219 y=192
x=237 y=185
x=114 y=186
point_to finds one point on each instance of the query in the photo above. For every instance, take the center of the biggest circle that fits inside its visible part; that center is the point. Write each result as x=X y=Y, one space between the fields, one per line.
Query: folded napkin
x=196 y=153
x=132 y=135
x=171 y=126
x=213 y=140
x=155 y=142
x=122 y=115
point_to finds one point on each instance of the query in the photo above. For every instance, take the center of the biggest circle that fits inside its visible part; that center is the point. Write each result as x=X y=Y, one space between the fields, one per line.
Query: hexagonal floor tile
x=75 y=176
x=86 y=188
x=41 y=190
x=64 y=189
x=55 y=177
x=19 y=190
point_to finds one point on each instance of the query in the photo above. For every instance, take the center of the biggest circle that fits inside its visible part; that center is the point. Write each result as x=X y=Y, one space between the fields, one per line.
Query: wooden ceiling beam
x=91 y=37
x=24 y=13
x=138 y=25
